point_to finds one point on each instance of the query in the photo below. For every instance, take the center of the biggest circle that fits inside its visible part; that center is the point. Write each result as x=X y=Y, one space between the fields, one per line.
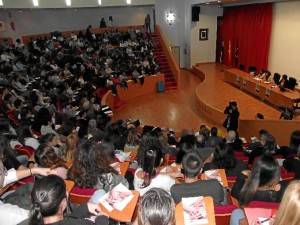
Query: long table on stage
x=265 y=91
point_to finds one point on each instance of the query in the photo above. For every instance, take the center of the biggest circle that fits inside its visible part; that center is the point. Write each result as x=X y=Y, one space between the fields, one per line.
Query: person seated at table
x=192 y=186
x=262 y=183
x=156 y=207
x=284 y=81
x=91 y=168
x=50 y=201
x=149 y=176
x=265 y=76
x=224 y=158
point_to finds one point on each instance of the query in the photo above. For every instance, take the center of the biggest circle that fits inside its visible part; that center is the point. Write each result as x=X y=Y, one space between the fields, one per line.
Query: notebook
x=259 y=215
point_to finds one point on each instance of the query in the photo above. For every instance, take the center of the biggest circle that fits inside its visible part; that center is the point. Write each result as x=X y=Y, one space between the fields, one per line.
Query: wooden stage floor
x=180 y=109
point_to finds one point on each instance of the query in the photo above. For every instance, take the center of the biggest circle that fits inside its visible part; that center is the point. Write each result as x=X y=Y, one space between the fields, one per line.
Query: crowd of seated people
x=70 y=74
x=92 y=153
x=72 y=138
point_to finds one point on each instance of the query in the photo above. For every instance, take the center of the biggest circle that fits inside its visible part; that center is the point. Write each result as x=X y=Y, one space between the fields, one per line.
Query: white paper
x=194 y=211
x=117 y=198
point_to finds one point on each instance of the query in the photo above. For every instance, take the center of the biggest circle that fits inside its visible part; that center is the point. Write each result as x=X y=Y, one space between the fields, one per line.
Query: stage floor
x=180 y=109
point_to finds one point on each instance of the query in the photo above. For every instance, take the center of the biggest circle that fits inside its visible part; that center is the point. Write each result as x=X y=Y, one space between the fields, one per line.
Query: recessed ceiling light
x=68 y=2
x=1 y=2
x=100 y=2
x=128 y=1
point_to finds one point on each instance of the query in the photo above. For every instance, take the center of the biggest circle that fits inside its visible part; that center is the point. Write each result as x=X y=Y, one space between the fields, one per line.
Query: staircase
x=161 y=60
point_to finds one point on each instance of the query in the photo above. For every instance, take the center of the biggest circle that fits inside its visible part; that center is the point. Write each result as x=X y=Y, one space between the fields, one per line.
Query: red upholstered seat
x=81 y=195
x=261 y=204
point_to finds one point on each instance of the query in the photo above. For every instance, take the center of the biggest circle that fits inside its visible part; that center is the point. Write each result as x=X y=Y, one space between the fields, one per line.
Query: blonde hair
x=71 y=145
x=289 y=210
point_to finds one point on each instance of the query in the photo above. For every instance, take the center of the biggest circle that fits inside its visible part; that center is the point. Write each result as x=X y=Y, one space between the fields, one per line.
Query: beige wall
x=205 y=51
x=284 y=55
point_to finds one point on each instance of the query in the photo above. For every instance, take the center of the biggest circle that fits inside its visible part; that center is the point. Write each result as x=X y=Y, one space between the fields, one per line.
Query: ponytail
x=152 y=160
x=47 y=194
x=36 y=218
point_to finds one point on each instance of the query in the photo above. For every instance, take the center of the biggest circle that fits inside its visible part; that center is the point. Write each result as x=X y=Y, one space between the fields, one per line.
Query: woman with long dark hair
x=224 y=159
x=50 y=200
x=260 y=184
x=91 y=168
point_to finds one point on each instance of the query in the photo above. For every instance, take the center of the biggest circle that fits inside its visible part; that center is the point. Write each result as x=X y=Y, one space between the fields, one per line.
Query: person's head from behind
x=268 y=142
x=184 y=148
x=50 y=139
x=24 y=131
x=192 y=164
x=4 y=125
x=205 y=133
x=231 y=135
x=5 y=148
x=265 y=175
x=214 y=132
x=224 y=157
x=46 y=157
x=295 y=140
x=88 y=164
x=18 y=103
x=262 y=132
x=153 y=158
x=49 y=198
x=156 y=207
x=289 y=209
x=72 y=142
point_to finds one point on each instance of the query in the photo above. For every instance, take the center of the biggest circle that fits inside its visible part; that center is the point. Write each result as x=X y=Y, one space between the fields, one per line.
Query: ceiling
x=238 y=2
x=112 y=3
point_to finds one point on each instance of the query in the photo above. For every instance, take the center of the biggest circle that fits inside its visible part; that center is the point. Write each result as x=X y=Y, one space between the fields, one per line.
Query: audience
x=56 y=88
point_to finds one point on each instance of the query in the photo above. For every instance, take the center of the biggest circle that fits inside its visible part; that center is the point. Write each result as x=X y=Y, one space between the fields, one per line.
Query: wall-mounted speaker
x=195 y=13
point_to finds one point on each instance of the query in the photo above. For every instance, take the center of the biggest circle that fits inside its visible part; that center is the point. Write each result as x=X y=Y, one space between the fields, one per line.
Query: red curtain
x=247 y=27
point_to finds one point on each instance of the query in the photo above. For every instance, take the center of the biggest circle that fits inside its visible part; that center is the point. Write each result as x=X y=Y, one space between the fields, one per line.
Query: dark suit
x=232 y=120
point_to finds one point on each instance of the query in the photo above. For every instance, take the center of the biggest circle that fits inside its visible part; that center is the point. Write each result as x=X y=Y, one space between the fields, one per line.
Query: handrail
x=171 y=60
